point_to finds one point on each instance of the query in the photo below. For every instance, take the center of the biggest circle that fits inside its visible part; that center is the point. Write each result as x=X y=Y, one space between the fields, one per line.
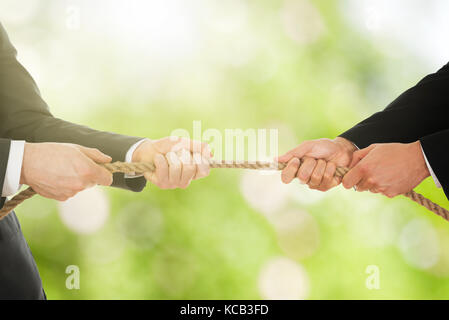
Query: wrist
x=143 y=151
x=136 y=154
x=423 y=170
x=27 y=153
x=345 y=144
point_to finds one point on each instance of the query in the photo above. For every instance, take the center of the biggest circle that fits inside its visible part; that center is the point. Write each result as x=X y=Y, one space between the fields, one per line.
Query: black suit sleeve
x=420 y=113
x=435 y=147
x=24 y=115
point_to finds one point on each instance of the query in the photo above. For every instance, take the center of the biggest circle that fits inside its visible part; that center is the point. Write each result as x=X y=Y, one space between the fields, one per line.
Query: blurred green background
x=310 y=69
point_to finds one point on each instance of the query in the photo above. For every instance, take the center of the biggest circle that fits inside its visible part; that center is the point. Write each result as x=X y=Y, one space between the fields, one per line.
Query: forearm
x=24 y=115
x=397 y=126
x=420 y=111
x=50 y=129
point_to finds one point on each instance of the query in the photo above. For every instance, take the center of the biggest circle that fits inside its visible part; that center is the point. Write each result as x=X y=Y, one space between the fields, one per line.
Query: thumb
x=96 y=155
x=298 y=152
x=102 y=176
x=360 y=154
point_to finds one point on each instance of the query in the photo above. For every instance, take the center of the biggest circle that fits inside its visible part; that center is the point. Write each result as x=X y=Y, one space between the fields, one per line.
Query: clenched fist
x=178 y=161
x=321 y=158
x=61 y=170
x=390 y=168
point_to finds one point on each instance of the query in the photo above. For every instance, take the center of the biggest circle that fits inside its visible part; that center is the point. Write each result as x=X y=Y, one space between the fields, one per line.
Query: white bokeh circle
x=283 y=279
x=86 y=212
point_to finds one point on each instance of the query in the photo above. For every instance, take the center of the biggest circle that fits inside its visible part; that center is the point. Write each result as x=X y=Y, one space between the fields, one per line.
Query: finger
x=174 y=169
x=289 y=173
x=317 y=174
x=47 y=194
x=202 y=163
x=360 y=154
x=329 y=181
x=206 y=151
x=297 y=152
x=188 y=168
x=160 y=176
x=60 y=195
x=306 y=169
x=390 y=193
x=363 y=185
x=193 y=146
x=95 y=154
x=353 y=177
x=150 y=176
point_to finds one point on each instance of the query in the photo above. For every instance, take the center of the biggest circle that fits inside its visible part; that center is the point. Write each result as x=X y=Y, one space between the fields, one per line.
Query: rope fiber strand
x=141 y=167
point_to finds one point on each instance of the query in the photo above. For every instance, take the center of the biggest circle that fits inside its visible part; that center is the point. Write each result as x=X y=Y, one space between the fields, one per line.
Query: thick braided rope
x=141 y=167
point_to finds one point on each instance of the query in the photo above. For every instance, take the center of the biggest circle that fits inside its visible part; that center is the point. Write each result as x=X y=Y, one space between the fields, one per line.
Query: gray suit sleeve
x=4 y=154
x=24 y=115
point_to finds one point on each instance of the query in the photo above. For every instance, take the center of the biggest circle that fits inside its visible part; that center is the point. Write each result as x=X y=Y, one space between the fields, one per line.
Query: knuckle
x=389 y=194
x=78 y=186
x=174 y=165
x=364 y=169
x=75 y=190
x=185 y=185
x=71 y=194
x=163 y=185
x=169 y=185
x=205 y=146
x=201 y=174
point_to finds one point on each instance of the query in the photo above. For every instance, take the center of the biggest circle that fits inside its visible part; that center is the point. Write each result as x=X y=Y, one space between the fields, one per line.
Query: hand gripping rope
x=141 y=167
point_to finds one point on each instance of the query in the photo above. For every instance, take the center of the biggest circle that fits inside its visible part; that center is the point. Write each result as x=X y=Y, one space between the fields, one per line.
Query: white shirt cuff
x=434 y=177
x=129 y=157
x=11 y=183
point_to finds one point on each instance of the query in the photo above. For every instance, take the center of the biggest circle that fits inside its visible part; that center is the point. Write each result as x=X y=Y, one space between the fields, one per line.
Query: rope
x=141 y=167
